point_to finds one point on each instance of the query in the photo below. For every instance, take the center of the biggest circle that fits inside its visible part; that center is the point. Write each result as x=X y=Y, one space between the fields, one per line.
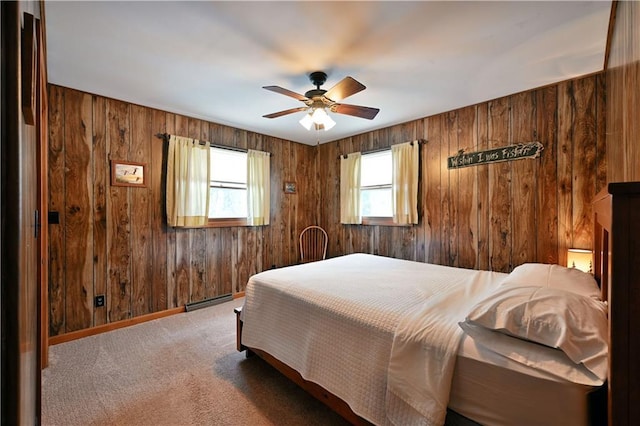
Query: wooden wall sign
x=495 y=155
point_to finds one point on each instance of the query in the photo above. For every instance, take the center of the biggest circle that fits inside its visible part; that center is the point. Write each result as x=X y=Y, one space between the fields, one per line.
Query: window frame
x=380 y=220
x=376 y=220
x=225 y=222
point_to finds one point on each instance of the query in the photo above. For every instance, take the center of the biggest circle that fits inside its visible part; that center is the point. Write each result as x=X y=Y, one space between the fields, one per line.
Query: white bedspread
x=356 y=325
x=425 y=346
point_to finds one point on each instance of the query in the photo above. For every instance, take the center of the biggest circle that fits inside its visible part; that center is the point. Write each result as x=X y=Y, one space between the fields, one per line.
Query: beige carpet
x=179 y=370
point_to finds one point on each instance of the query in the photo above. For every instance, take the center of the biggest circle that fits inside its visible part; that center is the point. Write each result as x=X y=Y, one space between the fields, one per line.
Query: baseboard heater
x=207 y=302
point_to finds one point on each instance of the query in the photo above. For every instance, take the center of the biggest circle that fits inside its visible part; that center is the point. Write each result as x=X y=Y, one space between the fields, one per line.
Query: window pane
x=376 y=169
x=228 y=166
x=376 y=202
x=226 y=203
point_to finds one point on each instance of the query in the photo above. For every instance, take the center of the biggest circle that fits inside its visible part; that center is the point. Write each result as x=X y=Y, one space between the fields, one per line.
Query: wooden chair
x=313 y=244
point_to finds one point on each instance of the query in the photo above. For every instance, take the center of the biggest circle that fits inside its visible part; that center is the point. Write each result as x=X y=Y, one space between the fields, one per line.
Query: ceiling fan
x=318 y=100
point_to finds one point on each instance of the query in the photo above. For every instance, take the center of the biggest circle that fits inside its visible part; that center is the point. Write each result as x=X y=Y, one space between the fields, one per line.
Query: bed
x=388 y=341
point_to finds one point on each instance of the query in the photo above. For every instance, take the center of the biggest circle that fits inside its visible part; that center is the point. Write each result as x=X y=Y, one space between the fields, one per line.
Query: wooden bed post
x=617 y=267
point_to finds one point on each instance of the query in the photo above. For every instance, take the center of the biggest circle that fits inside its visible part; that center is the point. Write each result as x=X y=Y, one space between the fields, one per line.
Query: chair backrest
x=313 y=244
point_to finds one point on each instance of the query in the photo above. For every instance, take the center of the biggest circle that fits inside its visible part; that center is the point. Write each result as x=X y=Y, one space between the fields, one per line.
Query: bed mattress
x=334 y=322
x=493 y=390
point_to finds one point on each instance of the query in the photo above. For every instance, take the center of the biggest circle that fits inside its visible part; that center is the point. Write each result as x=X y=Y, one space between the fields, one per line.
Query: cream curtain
x=350 y=189
x=404 y=186
x=187 y=182
x=258 y=187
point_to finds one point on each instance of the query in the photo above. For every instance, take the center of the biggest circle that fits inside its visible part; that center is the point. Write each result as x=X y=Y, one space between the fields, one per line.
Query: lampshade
x=580 y=259
x=307 y=121
x=319 y=118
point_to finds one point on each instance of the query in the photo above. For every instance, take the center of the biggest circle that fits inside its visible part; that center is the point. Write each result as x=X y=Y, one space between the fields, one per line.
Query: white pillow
x=575 y=324
x=553 y=276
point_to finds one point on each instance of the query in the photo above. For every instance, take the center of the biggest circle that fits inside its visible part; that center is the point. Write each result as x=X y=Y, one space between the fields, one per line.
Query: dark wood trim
x=42 y=106
x=67 y=337
x=612 y=24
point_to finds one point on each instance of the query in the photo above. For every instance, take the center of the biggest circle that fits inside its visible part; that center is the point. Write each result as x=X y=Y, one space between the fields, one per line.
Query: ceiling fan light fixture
x=307 y=121
x=319 y=115
x=328 y=123
x=318 y=100
x=318 y=118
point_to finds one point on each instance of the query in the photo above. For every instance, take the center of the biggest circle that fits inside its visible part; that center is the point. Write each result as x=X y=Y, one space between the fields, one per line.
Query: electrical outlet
x=99 y=301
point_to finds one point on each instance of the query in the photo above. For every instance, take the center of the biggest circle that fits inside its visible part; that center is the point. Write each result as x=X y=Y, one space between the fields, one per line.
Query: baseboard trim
x=208 y=302
x=67 y=337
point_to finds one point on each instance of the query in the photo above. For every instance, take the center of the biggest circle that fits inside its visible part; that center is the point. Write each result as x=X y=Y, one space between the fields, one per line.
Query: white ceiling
x=209 y=60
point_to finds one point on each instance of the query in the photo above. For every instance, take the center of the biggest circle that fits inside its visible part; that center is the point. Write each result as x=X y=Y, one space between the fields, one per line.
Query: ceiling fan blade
x=355 y=110
x=286 y=92
x=345 y=87
x=285 y=112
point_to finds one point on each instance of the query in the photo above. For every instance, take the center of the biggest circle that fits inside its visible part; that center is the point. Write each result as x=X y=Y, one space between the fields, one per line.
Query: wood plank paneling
x=564 y=153
x=489 y=217
x=140 y=211
x=57 y=257
x=114 y=240
x=547 y=178
x=79 y=211
x=492 y=216
x=466 y=213
x=119 y=219
x=450 y=189
x=584 y=162
x=500 y=209
x=524 y=176
x=482 y=185
x=623 y=96
x=101 y=176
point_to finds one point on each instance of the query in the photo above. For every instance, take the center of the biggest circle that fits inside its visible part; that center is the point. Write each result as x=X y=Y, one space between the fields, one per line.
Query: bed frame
x=616 y=231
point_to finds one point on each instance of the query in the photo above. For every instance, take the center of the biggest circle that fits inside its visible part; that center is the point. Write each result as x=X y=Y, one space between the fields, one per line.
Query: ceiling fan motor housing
x=318 y=78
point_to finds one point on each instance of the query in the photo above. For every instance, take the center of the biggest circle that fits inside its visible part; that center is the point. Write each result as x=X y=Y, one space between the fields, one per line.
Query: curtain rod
x=373 y=151
x=165 y=137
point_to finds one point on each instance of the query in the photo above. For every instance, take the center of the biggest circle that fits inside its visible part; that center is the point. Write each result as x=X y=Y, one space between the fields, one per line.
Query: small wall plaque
x=289 y=187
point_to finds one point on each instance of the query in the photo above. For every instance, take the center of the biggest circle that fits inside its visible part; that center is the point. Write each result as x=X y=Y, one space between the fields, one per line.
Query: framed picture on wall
x=128 y=173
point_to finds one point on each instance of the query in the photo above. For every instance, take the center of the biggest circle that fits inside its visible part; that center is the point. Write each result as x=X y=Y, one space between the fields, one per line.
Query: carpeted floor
x=179 y=370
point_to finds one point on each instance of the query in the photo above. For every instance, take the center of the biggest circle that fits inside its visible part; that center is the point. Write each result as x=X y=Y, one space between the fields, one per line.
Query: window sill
x=227 y=222
x=380 y=221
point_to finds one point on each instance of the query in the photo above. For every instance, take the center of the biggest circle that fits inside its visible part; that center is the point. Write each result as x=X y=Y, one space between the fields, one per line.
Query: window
x=375 y=185
x=228 y=184
x=381 y=188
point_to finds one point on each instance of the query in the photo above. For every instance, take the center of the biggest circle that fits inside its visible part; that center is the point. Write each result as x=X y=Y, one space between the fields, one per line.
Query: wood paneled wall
x=494 y=216
x=623 y=95
x=114 y=240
